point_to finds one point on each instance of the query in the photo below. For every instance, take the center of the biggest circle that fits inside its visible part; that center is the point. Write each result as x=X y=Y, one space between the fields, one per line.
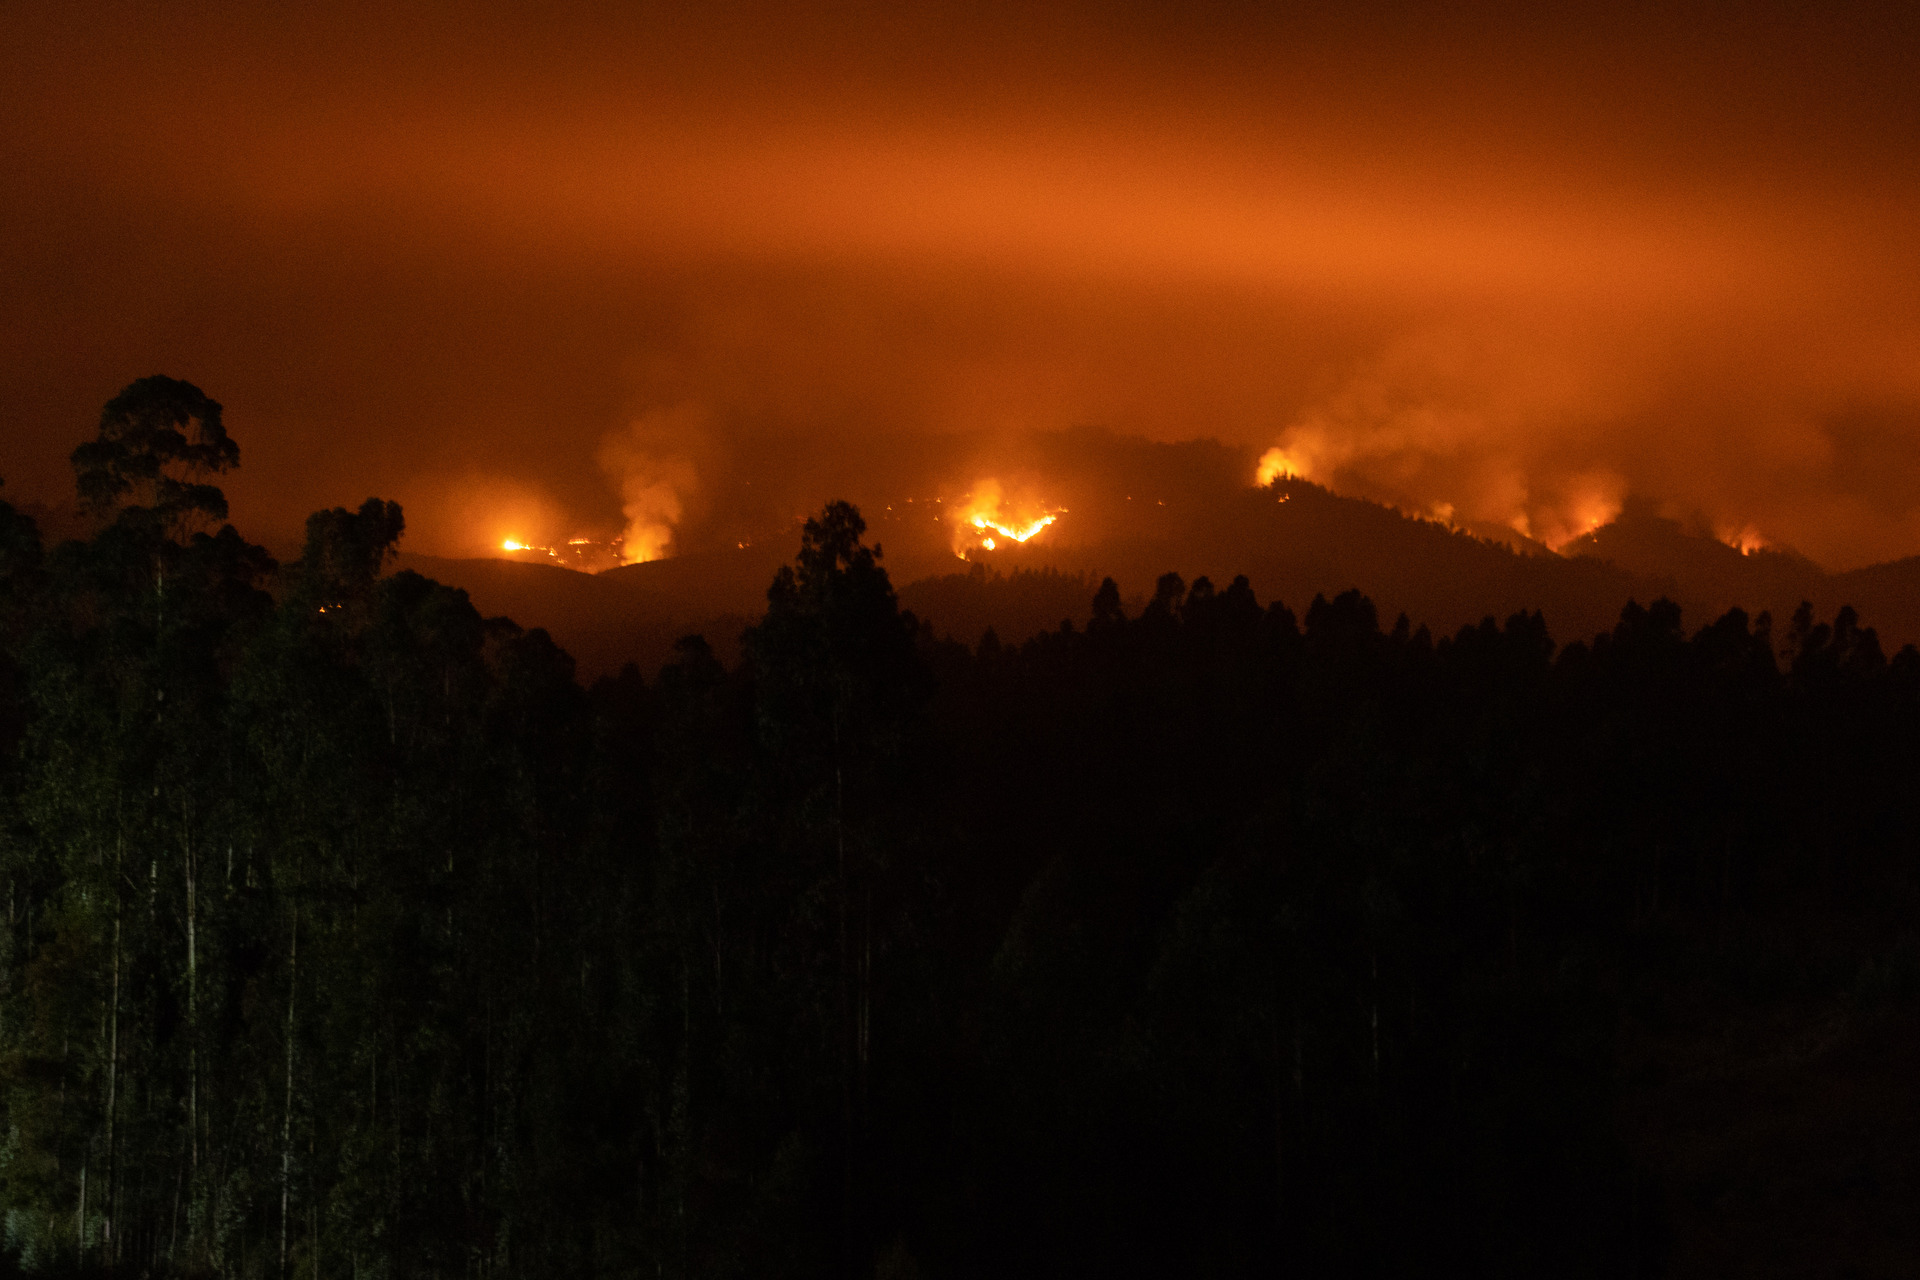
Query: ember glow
x=986 y=516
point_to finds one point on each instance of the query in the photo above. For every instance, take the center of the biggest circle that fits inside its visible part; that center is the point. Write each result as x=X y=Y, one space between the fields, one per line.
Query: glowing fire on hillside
x=1745 y=539
x=986 y=520
x=586 y=555
x=1277 y=464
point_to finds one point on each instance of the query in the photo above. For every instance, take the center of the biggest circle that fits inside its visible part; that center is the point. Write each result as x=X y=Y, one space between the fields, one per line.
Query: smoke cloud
x=1547 y=428
x=650 y=464
x=1505 y=268
x=1472 y=428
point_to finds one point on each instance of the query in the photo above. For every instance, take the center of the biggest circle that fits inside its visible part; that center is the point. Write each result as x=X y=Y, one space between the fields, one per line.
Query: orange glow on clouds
x=1510 y=265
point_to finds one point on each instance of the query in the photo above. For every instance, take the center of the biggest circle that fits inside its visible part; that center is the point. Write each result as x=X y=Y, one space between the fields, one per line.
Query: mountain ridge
x=1292 y=541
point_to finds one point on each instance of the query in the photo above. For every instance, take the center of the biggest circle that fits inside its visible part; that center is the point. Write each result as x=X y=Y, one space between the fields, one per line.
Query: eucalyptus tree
x=158 y=440
x=839 y=694
x=123 y=762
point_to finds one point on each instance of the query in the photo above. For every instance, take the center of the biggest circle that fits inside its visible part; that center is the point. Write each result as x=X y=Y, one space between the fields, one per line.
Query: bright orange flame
x=1584 y=503
x=1276 y=463
x=585 y=554
x=1746 y=539
x=1019 y=533
x=984 y=518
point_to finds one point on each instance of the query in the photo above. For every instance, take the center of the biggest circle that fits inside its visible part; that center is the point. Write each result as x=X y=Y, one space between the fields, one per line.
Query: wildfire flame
x=985 y=517
x=1277 y=463
x=1584 y=504
x=1745 y=539
x=1019 y=533
x=588 y=555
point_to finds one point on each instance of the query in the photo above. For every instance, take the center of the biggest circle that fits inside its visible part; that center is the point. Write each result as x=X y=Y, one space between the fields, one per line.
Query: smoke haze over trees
x=348 y=933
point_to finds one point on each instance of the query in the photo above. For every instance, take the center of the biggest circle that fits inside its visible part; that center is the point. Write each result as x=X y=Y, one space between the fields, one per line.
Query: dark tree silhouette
x=157 y=437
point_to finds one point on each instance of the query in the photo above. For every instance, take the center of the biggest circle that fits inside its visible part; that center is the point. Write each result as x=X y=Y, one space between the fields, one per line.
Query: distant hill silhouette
x=1887 y=596
x=1292 y=541
x=1707 y=577
x=630 y=614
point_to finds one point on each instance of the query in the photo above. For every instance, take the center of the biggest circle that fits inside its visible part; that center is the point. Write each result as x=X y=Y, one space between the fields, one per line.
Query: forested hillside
x=1292 y=538
x=347 y=934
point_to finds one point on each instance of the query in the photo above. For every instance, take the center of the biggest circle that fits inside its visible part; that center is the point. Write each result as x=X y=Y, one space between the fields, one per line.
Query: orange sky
x=1467 y=258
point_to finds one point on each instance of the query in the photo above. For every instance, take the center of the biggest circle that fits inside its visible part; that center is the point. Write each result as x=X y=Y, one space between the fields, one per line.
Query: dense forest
x=348 y=935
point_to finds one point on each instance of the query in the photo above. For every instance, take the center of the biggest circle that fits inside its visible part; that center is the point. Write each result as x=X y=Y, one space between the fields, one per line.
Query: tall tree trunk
x=863 y=1075
x=113 y=1076
x=286 y=1124
x=1275 y=1022
x=80 y=1215
x=193 y=1027
x=847 y=1032
x=683 y=1102
x=193 y=1009
x=1373 y=1012
x=173 y=1216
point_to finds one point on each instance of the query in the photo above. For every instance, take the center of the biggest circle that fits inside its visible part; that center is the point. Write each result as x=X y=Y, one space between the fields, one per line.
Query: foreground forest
x=348 y=935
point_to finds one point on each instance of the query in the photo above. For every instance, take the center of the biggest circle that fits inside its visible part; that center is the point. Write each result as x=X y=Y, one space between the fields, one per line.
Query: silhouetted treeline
x=347 y=935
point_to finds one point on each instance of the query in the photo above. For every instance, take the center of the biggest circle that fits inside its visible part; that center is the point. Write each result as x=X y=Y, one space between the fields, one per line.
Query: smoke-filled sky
x=526 y=265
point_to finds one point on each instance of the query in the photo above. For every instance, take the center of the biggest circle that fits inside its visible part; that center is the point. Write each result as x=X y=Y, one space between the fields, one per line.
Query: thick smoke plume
x=650 y=464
